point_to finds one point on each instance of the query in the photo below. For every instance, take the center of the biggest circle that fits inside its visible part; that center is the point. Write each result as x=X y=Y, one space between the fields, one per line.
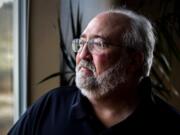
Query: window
x=6 y=65
x=13 y=61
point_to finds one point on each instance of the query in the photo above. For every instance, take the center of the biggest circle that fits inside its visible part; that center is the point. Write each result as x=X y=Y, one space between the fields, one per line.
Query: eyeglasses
x=94 y=45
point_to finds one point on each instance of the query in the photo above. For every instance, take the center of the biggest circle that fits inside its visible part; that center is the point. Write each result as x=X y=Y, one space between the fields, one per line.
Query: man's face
x=94 y=68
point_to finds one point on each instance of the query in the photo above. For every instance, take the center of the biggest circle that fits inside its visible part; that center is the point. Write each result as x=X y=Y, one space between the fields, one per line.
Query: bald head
x=109 y=25
x=113 y=18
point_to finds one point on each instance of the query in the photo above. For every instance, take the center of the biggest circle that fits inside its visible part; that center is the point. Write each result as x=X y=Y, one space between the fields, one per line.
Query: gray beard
x=105 y=83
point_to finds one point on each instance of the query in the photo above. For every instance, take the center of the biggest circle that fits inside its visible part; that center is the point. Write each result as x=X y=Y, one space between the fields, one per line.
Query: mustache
x=86 y=64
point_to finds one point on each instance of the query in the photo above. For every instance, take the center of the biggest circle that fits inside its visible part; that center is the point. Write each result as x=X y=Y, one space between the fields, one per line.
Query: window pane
x=6 y=65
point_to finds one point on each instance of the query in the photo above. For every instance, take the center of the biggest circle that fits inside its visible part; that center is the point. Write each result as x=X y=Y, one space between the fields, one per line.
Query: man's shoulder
x=165 y=112
x=62 y=90
x=165 y=107
x=60 y=96
x=49 y=109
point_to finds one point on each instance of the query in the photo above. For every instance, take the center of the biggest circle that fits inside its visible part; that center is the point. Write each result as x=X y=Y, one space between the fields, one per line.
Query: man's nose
x=85 y=53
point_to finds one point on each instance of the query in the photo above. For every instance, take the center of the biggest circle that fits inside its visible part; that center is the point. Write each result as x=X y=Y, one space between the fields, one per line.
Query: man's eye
x=81 y=43
x=99 y=45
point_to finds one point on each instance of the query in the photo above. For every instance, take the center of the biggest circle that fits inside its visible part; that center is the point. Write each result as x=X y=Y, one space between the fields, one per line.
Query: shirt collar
x=145 y=89
x=79 y=106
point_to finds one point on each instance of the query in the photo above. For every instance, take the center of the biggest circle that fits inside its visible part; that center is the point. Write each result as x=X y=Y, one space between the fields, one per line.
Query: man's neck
x=115 y=107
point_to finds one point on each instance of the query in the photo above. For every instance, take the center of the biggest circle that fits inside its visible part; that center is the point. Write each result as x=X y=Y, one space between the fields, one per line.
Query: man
x=113 y=94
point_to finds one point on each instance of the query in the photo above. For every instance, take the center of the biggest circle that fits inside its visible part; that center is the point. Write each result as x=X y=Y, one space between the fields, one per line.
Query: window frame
x=20 y=67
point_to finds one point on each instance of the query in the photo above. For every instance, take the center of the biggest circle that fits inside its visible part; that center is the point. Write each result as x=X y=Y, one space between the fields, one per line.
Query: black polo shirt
x=64 y=111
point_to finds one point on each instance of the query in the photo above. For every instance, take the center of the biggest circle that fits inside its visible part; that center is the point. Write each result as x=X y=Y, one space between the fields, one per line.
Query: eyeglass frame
x=90 y=43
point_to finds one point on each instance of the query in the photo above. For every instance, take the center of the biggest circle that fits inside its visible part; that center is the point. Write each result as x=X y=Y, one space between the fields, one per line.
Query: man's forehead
x=95 y=29
x=105 y=25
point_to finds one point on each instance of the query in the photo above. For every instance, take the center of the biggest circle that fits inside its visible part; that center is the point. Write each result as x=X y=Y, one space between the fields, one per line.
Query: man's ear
x=136 y=61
